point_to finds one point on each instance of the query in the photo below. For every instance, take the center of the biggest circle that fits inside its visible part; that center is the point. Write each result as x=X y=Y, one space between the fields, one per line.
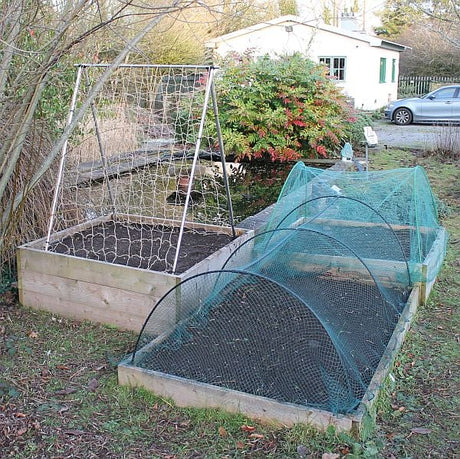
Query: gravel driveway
x=416 y=136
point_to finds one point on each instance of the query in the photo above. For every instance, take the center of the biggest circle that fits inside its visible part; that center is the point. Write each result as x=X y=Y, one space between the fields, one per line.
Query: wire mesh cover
x=305 y=333
x=365 y=206
x=134 y=158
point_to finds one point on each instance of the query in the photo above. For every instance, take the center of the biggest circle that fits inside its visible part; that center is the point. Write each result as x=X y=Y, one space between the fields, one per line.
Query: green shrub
x=282 y=109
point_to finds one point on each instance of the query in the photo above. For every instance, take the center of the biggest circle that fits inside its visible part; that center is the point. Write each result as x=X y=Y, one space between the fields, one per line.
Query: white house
x=366 y=67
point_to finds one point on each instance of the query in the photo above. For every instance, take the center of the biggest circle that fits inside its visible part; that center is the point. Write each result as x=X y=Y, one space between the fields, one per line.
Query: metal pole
x=101 y=149
x=222 y=153
x=149 y=66
x=367 y=157
x=73 y=104
x=192 y=172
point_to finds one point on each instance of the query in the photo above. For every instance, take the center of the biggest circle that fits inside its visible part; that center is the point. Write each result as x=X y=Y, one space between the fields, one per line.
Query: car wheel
x=402 y=116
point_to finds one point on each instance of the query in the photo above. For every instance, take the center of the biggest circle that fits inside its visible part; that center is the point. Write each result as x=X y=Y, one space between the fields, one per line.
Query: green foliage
x=288 y=7
x=255 y=185
x=355 y=134
x=396 y=15
x=55 y=101
x=282 y=109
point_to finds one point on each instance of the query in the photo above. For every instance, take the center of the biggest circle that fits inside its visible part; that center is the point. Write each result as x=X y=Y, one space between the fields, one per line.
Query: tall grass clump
x=30 y=219
x=447 y=142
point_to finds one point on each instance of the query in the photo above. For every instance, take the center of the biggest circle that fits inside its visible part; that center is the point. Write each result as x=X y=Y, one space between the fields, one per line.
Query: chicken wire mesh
x=141 y=165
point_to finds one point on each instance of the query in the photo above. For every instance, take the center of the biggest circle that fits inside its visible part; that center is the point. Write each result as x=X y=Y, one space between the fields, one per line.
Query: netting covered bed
x=303 y=312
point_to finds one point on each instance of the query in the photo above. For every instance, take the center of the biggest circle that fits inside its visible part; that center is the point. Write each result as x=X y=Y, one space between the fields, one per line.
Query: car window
x=446 y=93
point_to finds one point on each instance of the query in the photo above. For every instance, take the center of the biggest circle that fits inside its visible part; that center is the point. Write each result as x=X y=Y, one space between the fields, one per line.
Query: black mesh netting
x=302 y=320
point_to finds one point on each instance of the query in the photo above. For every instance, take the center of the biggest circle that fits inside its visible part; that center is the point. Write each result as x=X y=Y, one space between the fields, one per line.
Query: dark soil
x=258 y=338
x=142 y=246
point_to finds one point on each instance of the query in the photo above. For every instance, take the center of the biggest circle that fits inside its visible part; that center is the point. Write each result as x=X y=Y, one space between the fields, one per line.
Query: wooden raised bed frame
x=187 y=392
x=107 y=293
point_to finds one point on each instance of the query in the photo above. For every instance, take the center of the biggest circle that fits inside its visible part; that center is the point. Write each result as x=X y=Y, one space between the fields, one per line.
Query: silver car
x=439 y=106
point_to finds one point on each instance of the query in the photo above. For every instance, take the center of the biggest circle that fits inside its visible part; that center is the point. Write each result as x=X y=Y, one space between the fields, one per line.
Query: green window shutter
x=393 y=71
x=383 y=69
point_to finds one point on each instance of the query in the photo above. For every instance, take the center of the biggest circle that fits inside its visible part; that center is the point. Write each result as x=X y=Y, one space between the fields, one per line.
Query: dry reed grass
x=117 y=132
x=447 y=142
x=30 y=220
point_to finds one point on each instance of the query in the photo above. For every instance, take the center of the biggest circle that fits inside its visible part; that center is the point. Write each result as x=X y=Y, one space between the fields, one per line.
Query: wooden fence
x=415 y=86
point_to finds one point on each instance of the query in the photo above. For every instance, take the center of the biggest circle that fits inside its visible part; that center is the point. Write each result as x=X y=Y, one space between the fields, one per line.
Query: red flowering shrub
x=283 y=109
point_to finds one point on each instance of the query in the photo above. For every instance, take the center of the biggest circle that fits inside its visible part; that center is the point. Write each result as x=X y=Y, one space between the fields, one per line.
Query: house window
x=335 y=66
x=393 y=70
x=383 y=69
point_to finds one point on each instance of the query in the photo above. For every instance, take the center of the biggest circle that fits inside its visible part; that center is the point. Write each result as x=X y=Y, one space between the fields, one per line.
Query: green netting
x=368 y=208
x=303 y=311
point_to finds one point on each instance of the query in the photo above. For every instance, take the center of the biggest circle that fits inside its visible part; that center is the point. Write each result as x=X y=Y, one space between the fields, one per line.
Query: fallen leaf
x=33 y=335
x=21 y=432
x=239 y=444
x=421 y=430
x=330 y=456
x=255 y=435
x=20 y=415
x=246 y=428
x=63 y=367
x=222 y=432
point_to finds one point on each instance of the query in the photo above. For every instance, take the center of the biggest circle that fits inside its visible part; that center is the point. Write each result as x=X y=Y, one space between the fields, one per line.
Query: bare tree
x=428 y=54
x=443 y=18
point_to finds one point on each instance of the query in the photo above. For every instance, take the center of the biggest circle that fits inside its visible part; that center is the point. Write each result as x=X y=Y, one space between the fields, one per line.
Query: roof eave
x=392 y=46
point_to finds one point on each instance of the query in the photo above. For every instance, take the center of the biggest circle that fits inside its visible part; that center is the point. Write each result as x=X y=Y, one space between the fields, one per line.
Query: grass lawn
x=59 y=395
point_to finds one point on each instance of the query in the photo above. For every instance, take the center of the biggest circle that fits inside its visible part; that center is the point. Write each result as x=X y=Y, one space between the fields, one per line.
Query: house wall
x=363 y=78
x=363 y=60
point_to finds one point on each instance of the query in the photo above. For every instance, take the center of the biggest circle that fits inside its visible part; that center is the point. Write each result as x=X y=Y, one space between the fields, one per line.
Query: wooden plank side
x=177 y=223
x=432 y=264
x=216 y=260
x=388 y=272
x=97 y=272
x=359 y=224
x=77 y=311
x=435 y=256
x=84 y=300
x=192 y=393
x=40 y=243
